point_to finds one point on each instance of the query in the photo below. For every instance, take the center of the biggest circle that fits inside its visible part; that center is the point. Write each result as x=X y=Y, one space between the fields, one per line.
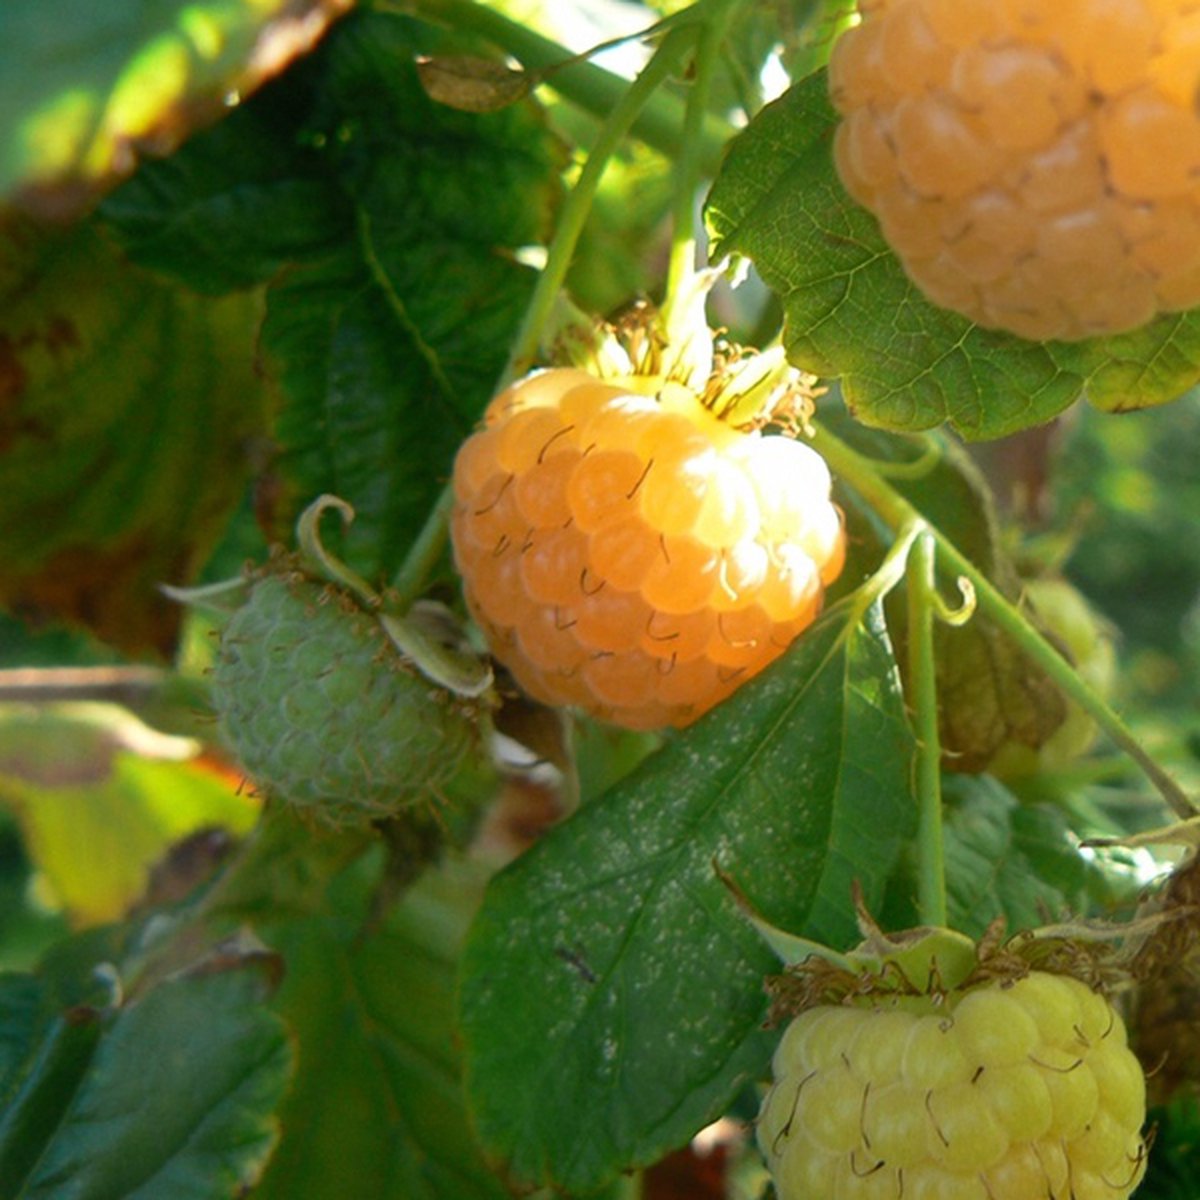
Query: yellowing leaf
x=130 y=419
x=100 y=798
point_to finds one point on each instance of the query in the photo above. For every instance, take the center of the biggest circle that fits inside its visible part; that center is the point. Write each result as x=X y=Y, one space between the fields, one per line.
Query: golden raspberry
x=633 y=555
x=1034 y=164
x=1001 y=1092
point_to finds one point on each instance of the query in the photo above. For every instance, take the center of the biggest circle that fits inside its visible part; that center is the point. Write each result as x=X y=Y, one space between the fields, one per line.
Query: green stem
x=630 y=1187
x=578 y=205
x=895 y=511
x=409 y=581
x=688 y=168
x=922 y=609
x=592 y=88
x=891 y=571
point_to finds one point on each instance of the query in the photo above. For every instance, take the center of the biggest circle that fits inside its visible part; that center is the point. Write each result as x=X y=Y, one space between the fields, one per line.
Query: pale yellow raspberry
x=1035 y=166
x=1001 y=1092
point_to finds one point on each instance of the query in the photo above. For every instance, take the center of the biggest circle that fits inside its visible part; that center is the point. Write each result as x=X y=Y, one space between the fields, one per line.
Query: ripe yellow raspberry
x=632 y=554
x=1034 y=164
x=1000 y=1092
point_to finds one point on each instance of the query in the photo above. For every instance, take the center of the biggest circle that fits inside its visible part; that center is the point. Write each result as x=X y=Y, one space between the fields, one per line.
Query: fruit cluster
x=1000 y=1092
x=1034 y=164
x=632 y=554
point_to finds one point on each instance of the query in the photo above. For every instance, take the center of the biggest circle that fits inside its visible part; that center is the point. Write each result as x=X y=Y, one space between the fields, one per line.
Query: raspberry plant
x=700 y=685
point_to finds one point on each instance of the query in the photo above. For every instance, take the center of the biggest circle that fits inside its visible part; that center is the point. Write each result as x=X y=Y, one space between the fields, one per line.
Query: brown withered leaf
x=990 y=695
x=130 y=419
x=471 y=84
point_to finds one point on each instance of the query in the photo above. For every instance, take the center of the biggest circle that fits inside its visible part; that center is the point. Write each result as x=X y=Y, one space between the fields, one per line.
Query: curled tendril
x=312 y=549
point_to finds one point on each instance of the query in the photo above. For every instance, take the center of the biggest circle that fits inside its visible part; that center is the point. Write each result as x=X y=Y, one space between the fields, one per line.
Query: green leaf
x=44 y=1052
x=85 y=87
x=176 y=1099
x=240 y=201
x=386 y=333
x=376 y=1108
x=130 y=420
x=100 y=798
x=611 y=960
x=1145 y=367
x=21 y=1015
x=387 y=351
x=357 y=387
x=1007 y=859
x=851 y=311
x=1173 y=1171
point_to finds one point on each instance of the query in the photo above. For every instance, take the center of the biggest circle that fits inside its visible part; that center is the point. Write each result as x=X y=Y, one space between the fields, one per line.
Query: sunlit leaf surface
x=612 y=994
x=100 y=798
x=86 y=88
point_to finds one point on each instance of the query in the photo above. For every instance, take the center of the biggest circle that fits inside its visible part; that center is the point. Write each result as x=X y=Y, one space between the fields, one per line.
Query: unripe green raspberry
x=1021 y=1091
x=322 y=710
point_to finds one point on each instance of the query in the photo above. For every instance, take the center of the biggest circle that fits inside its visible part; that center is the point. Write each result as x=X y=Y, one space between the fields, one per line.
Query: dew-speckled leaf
x=176 y=1099
x=852 y=313
x=100 y=798
x=611 y=960
x=376 y=1108
x=87 y=88
x=130 y=418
